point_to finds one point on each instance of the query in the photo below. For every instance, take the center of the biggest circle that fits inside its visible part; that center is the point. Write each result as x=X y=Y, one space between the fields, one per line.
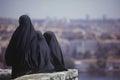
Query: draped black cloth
x=56 y=52
x=27 y=51
x=44 y=58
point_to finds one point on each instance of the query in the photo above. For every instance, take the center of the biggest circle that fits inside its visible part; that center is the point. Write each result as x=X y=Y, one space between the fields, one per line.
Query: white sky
x=60 y=8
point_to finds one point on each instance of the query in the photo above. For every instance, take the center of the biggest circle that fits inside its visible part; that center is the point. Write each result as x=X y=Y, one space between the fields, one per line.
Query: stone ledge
x=71 y=74
x=5 y=74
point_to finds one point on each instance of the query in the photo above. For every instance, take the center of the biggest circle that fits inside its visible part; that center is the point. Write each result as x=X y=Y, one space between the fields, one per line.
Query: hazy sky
x=60 y=8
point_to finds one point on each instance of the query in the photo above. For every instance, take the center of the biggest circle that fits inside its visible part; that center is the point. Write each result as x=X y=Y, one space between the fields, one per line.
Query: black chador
x=27 y=51
x=56 y=52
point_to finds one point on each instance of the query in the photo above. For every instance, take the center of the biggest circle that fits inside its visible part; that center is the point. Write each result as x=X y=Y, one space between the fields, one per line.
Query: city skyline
x=71 y=9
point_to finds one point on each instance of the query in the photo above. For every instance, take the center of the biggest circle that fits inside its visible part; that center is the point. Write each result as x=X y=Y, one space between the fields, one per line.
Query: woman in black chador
x=28 y=52
x=56 y=52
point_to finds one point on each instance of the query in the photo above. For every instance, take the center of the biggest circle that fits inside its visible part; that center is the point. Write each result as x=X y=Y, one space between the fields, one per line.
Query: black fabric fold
x=56 y=52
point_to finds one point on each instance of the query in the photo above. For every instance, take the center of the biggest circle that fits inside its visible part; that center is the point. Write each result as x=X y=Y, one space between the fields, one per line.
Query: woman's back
x=25 y=52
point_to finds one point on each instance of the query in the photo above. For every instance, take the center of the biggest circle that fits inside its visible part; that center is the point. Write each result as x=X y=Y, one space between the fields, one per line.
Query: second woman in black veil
x=44 y=58
x=56 y=52
x=28 y=52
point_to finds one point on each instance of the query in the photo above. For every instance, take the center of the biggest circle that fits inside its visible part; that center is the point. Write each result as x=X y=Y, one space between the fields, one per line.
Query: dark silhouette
x=56 y=52
x=28 y=51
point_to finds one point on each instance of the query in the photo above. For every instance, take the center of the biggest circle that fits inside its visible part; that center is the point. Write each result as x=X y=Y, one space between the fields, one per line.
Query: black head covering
x=56 y=53
x=21 y=52
x=44 y=58
x=22 y=46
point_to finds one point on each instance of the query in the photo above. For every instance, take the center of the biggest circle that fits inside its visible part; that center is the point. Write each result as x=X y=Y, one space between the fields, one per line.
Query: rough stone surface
x=5 y=74
x=71 y=74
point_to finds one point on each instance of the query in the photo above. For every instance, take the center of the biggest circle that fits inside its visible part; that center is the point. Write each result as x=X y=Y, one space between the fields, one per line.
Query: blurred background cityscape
x=88 y=32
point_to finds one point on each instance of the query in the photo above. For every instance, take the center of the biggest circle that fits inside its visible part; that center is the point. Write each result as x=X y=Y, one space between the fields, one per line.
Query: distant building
x=113 y=65
x=78 y=47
